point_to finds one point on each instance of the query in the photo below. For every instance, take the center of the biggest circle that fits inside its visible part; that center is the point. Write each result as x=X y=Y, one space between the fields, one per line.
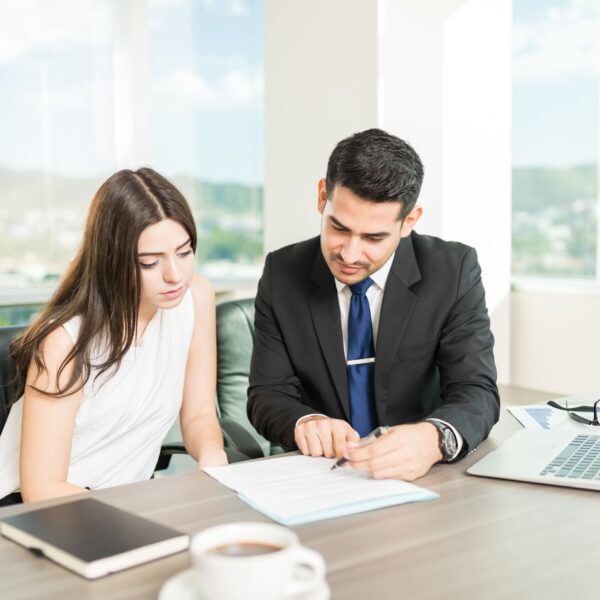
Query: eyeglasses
x=575 y=416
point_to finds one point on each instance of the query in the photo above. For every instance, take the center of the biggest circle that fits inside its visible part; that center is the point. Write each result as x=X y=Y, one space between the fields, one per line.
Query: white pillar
x=130 y=77
x=446 y=70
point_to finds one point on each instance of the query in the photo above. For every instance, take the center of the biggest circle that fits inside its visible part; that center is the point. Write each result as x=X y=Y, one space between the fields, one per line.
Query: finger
x=314 y=443
x=392 y=440
x=352 y=435
x=339 y=434
x=326 y=438
x=405 y=473
x=379 y=463
x=301 y=442
x=370 y=451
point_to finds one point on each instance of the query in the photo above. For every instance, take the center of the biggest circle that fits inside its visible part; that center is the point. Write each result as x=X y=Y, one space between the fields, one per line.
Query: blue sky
x=556 y=74
x=207 y=95
x=205 y=89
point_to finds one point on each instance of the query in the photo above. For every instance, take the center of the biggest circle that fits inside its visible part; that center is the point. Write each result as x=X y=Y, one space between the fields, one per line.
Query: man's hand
x=405 y=452
x=322 y=436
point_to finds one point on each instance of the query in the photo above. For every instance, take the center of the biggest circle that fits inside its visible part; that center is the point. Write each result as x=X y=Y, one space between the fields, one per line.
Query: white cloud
x=235 y=89
x=232 y=8
x=564 y=45
x=30 y=25
x=239 y=8
x=167 y=3
x=209 y=5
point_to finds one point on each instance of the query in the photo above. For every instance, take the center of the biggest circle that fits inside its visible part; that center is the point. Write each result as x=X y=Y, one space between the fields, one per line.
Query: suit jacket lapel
x=397 y=306
x=325 y=312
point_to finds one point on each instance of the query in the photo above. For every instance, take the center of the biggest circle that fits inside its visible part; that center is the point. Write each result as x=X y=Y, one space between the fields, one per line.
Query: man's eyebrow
x=336 y=222
x=379 y=234
x=162 y=253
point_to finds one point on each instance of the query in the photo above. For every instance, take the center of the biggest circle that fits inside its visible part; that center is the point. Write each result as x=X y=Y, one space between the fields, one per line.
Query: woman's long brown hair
x=102 y=284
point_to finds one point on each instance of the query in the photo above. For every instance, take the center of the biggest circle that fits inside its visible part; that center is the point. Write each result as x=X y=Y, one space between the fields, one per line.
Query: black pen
x=376 y=433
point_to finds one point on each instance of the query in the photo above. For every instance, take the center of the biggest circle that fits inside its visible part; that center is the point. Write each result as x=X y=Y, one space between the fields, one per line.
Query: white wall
x=320 y=87
x=556 y=340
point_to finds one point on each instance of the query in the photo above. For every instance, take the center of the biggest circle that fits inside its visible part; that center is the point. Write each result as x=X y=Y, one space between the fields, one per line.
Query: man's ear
x=322 y=196
x=410 y=221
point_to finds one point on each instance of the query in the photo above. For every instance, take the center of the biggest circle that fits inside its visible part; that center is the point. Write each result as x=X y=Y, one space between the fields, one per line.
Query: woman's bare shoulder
x=56 y=345
x=202 y=289
x=53 y=351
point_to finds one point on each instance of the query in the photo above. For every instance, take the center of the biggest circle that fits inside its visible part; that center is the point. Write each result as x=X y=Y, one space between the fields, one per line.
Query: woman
x=126 y=342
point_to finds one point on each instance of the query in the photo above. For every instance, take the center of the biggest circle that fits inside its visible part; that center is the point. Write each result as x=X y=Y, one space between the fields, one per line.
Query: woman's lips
x=173 y=293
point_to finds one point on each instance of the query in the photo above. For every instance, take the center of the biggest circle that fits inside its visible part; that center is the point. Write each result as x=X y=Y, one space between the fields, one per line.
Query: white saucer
x=186 y=586
x=183 y=586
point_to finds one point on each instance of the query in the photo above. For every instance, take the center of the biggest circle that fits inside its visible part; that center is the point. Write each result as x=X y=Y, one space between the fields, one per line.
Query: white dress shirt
x=375 y=297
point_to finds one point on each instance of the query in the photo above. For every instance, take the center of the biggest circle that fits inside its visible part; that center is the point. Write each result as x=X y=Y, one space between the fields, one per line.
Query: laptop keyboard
x=579 y=460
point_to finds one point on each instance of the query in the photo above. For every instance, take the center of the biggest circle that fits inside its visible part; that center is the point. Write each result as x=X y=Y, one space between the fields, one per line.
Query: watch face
x=449 y=442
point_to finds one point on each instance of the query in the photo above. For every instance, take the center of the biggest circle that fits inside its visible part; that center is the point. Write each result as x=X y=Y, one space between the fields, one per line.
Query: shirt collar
x=379 y=277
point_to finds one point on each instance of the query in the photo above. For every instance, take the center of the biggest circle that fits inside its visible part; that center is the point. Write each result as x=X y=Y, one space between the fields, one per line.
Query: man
x=373 y=324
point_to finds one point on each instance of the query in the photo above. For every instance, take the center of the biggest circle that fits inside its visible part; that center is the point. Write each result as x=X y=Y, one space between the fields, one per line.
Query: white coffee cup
x=254 y=561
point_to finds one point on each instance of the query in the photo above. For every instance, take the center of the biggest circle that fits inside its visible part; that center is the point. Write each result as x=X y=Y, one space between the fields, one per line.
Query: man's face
x=358 y=236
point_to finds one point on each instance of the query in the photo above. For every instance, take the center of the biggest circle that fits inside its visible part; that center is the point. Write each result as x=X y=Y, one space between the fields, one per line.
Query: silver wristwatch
x=447 y=440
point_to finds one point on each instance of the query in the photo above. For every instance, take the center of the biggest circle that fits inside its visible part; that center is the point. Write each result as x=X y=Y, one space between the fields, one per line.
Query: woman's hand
x=213 y=458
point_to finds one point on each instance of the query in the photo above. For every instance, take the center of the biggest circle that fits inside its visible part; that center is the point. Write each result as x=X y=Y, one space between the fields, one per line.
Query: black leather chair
x=235 y=331
x=7 y=371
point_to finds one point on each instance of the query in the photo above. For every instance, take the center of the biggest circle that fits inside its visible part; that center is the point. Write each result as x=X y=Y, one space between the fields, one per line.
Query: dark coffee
x=245 y=549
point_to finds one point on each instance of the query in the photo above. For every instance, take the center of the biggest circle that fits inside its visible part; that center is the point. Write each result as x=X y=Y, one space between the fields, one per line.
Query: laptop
x=553 y=457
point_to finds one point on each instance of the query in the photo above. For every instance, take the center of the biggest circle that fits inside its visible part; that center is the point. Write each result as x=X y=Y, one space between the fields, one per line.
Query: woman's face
x=166 y=264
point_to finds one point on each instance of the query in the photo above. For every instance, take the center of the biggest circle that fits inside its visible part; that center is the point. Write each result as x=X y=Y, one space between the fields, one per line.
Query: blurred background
x=240 y=102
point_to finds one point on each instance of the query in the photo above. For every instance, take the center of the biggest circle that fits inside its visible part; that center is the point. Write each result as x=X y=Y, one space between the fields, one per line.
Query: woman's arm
x=48 y=423
x=199 y=425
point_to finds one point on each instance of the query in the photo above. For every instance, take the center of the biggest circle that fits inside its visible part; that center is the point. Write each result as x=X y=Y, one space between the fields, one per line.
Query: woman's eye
x=186 y=253
x=148 y=265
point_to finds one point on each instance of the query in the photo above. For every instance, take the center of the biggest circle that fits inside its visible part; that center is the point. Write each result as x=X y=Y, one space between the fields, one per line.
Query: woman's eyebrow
x=162 y=253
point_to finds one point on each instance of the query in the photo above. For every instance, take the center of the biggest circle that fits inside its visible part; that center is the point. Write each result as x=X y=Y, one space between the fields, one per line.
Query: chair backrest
x=235 y=330
x=7 y=371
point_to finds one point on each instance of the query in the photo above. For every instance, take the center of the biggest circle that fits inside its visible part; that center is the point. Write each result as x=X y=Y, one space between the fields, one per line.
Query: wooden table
x=482 y=538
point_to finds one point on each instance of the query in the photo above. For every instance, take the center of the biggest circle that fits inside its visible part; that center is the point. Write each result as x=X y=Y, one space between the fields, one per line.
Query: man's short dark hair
x=377 y=166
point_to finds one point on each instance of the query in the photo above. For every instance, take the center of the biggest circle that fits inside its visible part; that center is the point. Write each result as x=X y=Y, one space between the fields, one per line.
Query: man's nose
x=352 y=250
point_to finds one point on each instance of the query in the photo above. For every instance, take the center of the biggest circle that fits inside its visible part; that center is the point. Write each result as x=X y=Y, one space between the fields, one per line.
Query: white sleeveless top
x=121 y=424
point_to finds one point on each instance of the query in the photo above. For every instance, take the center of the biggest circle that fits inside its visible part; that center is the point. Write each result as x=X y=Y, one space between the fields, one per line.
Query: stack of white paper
x=299 y=489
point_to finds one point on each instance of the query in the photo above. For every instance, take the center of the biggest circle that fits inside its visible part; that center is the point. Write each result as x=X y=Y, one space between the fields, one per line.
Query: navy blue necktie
x=361 y=361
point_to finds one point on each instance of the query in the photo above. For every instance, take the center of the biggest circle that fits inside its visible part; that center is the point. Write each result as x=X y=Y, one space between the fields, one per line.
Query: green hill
x=554 y=221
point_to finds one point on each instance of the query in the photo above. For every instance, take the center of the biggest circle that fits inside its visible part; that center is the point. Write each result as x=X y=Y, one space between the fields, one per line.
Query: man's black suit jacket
x=434 y=349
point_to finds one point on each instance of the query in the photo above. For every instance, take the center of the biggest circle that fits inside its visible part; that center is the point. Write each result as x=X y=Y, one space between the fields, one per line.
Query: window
x=556 y=136
x=92 y=86
x=206 y=124
x=55 y=131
